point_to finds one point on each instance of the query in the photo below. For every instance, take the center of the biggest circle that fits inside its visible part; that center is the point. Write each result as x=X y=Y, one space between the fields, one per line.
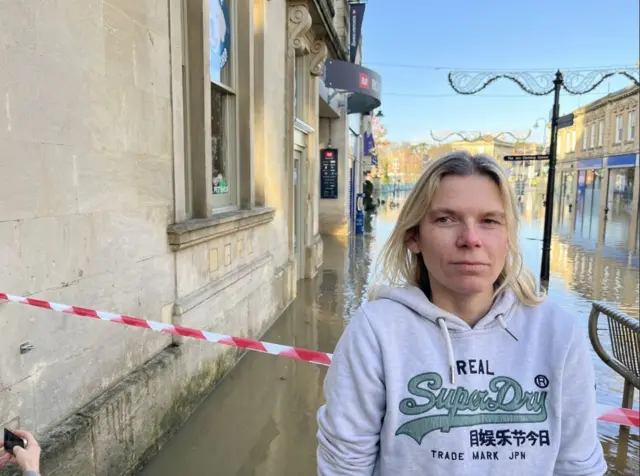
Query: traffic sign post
x=519 y=158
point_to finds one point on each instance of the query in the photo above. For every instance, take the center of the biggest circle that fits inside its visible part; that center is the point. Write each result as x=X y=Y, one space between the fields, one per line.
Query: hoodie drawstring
x=504 y=326
x=447 y=340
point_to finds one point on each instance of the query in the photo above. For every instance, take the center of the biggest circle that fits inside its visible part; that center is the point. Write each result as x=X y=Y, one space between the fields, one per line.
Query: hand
x=5 y=457
x=28 y=459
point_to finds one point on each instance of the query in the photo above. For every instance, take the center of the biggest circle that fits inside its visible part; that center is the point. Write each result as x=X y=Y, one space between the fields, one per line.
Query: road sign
x=518 y=158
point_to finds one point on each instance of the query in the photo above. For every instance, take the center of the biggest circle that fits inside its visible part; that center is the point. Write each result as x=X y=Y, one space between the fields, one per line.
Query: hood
x=413 y=298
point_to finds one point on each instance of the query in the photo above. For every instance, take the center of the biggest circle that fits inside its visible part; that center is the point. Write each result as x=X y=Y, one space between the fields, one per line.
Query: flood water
x=260 y=420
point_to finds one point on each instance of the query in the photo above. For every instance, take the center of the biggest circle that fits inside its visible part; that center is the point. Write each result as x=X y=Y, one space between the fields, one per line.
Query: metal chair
x=624 y=333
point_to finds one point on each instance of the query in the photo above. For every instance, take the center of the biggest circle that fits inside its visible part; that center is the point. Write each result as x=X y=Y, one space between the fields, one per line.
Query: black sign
x=565 y=121
x=364 y=83
x=356 y=16
x=518 y=158
x=329 y=173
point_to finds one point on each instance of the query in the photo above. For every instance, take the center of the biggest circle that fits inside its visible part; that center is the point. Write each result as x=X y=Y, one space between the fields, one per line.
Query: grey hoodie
x=414 y=390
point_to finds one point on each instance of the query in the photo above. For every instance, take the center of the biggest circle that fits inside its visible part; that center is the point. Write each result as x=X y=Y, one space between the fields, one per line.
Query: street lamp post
x=542 y=84
x=544 y=132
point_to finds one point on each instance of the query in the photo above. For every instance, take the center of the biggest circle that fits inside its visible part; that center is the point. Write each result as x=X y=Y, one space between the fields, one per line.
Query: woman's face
x=463 y=237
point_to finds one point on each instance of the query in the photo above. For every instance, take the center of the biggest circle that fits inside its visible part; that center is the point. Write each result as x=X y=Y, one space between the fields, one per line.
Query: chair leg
x=627 y=395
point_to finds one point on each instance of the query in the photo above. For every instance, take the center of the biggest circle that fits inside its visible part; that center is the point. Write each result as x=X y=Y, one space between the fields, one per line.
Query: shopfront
x=566 y=191
x=622 y=204
x=621 y=183
x=589 y=186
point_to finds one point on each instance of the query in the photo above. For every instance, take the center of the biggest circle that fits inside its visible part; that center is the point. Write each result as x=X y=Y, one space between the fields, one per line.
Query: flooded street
x=261 y=419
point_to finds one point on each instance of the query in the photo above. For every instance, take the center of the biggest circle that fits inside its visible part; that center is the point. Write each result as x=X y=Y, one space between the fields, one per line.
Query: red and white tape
x=296 y=353
x=620 y=416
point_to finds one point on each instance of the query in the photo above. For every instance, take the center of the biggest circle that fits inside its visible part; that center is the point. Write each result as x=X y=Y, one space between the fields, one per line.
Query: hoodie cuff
x=30 y=473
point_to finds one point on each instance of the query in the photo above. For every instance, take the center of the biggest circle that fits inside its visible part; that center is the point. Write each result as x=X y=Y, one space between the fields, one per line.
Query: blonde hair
x=397 y=266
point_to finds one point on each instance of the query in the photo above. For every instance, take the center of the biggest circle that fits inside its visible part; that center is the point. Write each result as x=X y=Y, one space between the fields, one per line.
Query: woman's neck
x=469 y=308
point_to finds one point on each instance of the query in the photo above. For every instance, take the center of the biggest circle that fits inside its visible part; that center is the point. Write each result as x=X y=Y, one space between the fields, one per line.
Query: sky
x=413 y=44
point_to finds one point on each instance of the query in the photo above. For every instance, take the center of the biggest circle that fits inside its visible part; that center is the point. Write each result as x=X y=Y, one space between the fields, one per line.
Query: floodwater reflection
x=261 y=419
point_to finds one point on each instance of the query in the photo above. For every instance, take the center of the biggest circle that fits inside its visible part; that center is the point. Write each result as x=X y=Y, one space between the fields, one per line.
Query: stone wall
x=85 y=196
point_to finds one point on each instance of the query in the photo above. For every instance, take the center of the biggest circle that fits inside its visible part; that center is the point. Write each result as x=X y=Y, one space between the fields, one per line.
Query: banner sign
x=329 y=173
x=369 y=143
x=356 y=16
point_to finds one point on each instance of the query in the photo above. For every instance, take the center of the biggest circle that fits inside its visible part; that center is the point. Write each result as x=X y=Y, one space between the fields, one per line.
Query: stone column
x=314 y=249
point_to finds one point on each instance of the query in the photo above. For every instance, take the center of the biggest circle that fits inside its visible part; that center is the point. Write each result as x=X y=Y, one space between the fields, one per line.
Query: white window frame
x=567 y=144
x=592 y=142
x=631 y=133
x=585 y=138
x=601 y=133
x=229 y=201
x=619 y=128
x=573 y=140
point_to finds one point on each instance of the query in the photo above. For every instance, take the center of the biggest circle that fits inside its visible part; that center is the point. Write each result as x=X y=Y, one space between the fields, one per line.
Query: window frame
x=585 y=137
x=619 y=129
x=601 y=133
x=631 y=127
x=229 y=201
x=592 y=140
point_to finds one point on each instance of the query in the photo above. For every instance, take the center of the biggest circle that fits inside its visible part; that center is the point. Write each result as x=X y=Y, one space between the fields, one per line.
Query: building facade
x=598 y=172
x=160 y=159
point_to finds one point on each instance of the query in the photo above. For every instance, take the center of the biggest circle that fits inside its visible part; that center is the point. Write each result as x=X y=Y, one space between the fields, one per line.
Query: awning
x=365 y=85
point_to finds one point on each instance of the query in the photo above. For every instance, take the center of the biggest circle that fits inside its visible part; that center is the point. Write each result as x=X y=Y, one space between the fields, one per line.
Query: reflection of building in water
x=600 y=274
x=598 y=171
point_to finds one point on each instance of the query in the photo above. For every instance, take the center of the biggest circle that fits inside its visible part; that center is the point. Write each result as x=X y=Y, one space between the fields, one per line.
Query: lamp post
x=542 y=84
x=544 y=132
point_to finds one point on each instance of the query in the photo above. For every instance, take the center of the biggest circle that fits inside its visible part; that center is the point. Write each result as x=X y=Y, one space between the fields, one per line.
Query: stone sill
x=193 y=232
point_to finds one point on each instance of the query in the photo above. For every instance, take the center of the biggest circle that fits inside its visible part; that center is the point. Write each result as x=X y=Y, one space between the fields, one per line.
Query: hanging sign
x=356 y=16
x=329 y=173
x=369 y=143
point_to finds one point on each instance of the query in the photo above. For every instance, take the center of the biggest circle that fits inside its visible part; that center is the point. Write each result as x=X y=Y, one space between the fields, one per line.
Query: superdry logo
x=501 y=404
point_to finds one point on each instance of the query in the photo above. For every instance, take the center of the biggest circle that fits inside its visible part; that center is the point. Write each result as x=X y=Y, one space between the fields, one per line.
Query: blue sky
x=491 y=35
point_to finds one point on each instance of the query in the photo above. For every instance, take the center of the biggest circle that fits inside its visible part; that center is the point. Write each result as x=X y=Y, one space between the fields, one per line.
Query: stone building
x=159 y=159
x=598 y=172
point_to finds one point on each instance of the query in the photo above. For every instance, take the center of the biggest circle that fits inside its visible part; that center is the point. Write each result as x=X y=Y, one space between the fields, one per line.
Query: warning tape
x=295 y=353
x=620 y=416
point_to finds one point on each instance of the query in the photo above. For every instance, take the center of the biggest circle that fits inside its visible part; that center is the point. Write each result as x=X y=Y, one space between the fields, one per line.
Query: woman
x=458 y=366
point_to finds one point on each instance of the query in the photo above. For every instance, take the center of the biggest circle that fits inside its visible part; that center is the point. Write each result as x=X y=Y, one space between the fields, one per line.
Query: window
x=619 y=123
x=223 y=103
x=631 y=135
x=601 y=133
x=567 y=144
x=584 y=138
x=573 y=140
x=593 y=135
